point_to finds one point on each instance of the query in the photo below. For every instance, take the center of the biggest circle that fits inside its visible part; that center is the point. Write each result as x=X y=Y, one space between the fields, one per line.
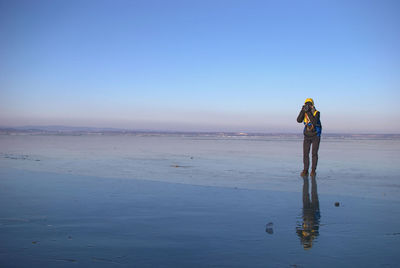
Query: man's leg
x=315 y=147
x=306 y=155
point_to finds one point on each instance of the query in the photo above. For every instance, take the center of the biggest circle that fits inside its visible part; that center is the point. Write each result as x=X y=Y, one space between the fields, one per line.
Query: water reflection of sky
x=178 y=225
x=369 y=168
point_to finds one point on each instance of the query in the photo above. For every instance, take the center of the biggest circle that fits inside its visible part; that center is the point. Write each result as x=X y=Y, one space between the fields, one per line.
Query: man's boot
x=313 y=173
x=304 y=173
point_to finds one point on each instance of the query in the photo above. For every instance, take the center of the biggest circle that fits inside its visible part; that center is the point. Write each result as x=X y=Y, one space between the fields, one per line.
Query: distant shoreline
x=80 y=131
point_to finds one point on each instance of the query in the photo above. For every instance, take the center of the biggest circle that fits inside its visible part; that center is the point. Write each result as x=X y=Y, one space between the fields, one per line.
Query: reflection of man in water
x=308 y=230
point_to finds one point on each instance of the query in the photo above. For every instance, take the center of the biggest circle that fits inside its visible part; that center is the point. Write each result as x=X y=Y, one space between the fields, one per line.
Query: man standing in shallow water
x=312 y=135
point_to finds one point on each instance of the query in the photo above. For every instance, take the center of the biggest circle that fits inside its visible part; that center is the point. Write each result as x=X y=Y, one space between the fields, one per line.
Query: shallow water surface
x=123 y=201
x=354 y=167
x=57 y=220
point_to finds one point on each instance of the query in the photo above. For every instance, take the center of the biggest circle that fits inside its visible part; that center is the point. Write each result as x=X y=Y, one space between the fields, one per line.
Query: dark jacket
x=315 y=121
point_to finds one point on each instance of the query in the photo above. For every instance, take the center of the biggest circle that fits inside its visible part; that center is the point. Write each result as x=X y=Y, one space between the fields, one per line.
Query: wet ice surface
x=56 y=220
x=355 y=167
x=131 y=212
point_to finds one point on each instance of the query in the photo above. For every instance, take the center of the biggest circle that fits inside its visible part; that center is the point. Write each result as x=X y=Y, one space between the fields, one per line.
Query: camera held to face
x=307 y=107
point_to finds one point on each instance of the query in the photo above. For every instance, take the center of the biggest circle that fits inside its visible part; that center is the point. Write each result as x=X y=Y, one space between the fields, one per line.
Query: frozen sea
x=351 y=166
x=197 y=201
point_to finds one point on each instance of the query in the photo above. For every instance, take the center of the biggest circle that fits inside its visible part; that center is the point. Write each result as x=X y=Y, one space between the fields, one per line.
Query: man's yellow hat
x=309 y=100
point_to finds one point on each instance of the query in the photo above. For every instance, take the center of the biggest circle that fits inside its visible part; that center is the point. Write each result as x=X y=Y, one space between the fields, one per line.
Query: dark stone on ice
x=269 y=228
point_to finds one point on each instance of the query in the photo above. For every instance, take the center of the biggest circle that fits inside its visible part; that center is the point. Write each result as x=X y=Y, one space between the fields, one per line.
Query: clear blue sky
x=200 y=65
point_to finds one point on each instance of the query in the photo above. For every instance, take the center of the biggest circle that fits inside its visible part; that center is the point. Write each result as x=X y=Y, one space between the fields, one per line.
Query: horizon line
x=69 y=129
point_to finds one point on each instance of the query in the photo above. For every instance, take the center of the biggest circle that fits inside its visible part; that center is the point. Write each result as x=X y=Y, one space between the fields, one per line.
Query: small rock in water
x=269 y=228
x=337 y=204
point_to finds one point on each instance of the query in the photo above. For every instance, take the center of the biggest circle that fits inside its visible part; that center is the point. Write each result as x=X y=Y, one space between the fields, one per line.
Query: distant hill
x=63 y=128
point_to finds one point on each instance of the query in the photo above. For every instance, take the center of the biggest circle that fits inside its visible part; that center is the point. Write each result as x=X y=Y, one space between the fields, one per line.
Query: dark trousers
x=306 y=151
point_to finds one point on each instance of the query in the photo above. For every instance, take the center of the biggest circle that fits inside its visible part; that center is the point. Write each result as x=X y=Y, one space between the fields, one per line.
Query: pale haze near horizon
x=200 y=65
